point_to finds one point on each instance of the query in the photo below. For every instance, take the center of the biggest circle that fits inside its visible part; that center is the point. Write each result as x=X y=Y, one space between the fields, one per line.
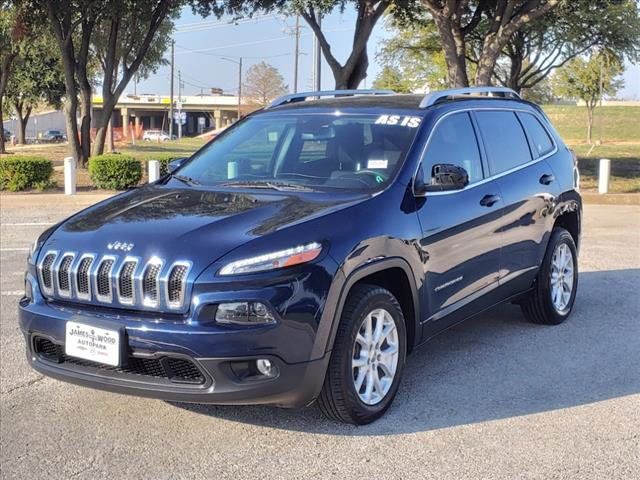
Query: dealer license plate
x=92 y=343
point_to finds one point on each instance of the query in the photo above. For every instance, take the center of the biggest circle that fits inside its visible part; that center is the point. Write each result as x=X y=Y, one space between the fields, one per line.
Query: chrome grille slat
x=45 y=271
x=104 y=290
x=126 y=282
x=176 y=284
x=150 y=281
x=83 y=277
x=129 y=281
x=63 y=275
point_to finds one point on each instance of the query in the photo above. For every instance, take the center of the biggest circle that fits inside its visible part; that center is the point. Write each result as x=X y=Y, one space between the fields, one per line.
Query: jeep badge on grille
x=125 y=247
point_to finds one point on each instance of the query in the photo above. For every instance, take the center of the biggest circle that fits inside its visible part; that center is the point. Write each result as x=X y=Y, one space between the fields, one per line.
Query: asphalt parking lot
x=492 y=398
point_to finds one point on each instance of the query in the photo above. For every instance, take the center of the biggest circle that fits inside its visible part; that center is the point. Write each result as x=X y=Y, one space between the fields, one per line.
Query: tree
x=13 y=31
x=415 y=52
x=391 y=78
x=36 y=78
x=496 y=20
x=130 y=39
x=588 y=80
x=567 y=32
x=76 y=24
x=354 y=70
x=263 y=83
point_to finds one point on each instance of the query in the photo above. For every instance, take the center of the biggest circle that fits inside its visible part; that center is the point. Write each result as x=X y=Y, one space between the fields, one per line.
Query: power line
x=257 y=42
x=201 y=26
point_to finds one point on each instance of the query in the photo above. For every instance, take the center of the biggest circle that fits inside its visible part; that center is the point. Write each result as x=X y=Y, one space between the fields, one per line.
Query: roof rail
x=435 y=97
x=301 y=97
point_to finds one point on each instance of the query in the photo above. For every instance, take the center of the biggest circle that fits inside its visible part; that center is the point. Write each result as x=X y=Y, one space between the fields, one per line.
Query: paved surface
x=493 y=398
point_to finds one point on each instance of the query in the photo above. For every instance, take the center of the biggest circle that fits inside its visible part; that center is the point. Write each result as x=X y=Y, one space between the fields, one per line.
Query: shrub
x=22 y=172
x=115 y=171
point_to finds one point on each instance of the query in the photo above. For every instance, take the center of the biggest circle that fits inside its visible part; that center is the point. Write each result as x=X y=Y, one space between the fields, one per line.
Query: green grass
x=625 y=166
x=617 y=123
x=145 y=150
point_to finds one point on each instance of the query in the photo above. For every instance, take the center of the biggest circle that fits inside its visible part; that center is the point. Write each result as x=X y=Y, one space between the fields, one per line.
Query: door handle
x=489 y=200
x=547 y=178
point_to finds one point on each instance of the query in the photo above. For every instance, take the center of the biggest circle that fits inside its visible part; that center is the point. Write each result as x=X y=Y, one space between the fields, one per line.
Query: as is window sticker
x=401 y=120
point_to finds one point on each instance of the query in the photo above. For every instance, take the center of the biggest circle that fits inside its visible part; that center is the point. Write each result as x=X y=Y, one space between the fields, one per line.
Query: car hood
x=187 y=223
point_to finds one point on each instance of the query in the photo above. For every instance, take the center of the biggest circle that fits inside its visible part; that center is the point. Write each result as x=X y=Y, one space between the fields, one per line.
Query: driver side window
x=454 y=142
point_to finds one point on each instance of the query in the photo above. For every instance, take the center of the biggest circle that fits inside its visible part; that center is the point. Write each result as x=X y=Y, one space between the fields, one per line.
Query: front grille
x=103 y=279
x=150 y=283
x=126 y=286
x=82 y=278
x=127 y=281
x=46 y=276
x=64 y=279
x=175 y=284
x=174 y=369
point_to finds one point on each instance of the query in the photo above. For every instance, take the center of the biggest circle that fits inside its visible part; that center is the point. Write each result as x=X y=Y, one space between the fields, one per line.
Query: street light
x=239 y=63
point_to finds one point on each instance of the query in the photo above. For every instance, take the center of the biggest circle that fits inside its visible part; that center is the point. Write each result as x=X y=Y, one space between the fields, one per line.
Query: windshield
x=306 y=151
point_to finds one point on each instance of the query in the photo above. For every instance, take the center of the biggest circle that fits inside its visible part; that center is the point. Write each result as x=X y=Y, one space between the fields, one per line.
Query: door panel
x=462 y=251
x=458 y=227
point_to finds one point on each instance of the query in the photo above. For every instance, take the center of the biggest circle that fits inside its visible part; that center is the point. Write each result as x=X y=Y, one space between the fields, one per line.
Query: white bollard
x=603 y=175
x=154 y=170
x=69 y=176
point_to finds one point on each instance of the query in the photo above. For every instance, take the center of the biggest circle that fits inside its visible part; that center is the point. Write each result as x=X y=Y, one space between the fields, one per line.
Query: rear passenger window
x=539 y=139
x=454 y=142
x=504 y=140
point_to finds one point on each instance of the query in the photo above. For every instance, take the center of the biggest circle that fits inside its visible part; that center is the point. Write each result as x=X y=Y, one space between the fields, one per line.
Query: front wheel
x=367 y=359
x=551 y=301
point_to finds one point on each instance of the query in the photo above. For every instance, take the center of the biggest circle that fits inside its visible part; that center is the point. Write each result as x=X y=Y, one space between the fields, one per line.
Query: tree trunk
x=589 y=123
x=85 y=124
x=102 y=124
x=515 y=70
x=486 y=63
x=2 y=149
x=454 y=48
x=22 y=127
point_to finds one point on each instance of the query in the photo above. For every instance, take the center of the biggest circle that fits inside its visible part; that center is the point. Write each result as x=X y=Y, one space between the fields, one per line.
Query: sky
x=201 y=45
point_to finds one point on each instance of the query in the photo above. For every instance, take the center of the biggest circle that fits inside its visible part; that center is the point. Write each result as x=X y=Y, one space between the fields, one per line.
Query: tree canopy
x=263 y=83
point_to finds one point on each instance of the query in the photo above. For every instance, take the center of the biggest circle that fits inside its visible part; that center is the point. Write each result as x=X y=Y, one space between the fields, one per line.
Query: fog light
x=265 y=367
x=244 y=313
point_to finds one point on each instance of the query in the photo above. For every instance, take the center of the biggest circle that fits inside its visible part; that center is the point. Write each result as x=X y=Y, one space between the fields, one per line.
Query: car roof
x=403 y=101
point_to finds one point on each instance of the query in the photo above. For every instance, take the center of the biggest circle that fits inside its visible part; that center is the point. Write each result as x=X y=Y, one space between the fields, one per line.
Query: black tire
x=538 y=306
x=339 y=399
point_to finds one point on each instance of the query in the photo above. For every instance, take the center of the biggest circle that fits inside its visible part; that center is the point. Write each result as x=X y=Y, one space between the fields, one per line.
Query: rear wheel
x=552 y=299
x=367 y=359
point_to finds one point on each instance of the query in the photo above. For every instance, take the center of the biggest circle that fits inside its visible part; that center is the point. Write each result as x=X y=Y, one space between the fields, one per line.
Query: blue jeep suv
x=306 y=251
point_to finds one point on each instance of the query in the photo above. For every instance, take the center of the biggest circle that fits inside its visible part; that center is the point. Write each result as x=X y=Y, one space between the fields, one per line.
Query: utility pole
x=173 y=58
x=239 y=87
x=296 y=54
x=179 y=104
x=317 y=58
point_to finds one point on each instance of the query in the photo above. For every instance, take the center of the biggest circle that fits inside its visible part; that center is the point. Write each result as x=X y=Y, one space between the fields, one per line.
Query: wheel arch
x=395 y=275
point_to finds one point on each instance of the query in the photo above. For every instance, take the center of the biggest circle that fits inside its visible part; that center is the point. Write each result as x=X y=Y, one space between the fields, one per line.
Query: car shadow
x=498 y=366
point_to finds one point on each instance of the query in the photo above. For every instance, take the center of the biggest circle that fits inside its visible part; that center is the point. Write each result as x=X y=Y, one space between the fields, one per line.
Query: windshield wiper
x=184 y=179
x=279 y=186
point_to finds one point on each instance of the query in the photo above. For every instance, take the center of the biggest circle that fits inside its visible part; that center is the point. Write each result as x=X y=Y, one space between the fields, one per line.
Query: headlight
x=270 y=261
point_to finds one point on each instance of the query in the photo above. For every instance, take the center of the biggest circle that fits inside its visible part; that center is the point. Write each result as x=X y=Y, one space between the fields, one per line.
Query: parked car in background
x=53 y=136
x=156 y=136
x=7 y=134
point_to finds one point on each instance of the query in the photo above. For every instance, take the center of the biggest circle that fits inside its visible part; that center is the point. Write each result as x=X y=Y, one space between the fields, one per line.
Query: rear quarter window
x=539 y=139
x=504 y=140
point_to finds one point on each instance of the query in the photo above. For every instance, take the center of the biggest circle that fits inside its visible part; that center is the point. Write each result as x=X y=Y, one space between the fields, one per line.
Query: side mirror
x=175 y=164
x=444 y=177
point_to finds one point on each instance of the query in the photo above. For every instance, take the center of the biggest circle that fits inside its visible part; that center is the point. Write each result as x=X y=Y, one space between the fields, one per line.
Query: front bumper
x=216 y=358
